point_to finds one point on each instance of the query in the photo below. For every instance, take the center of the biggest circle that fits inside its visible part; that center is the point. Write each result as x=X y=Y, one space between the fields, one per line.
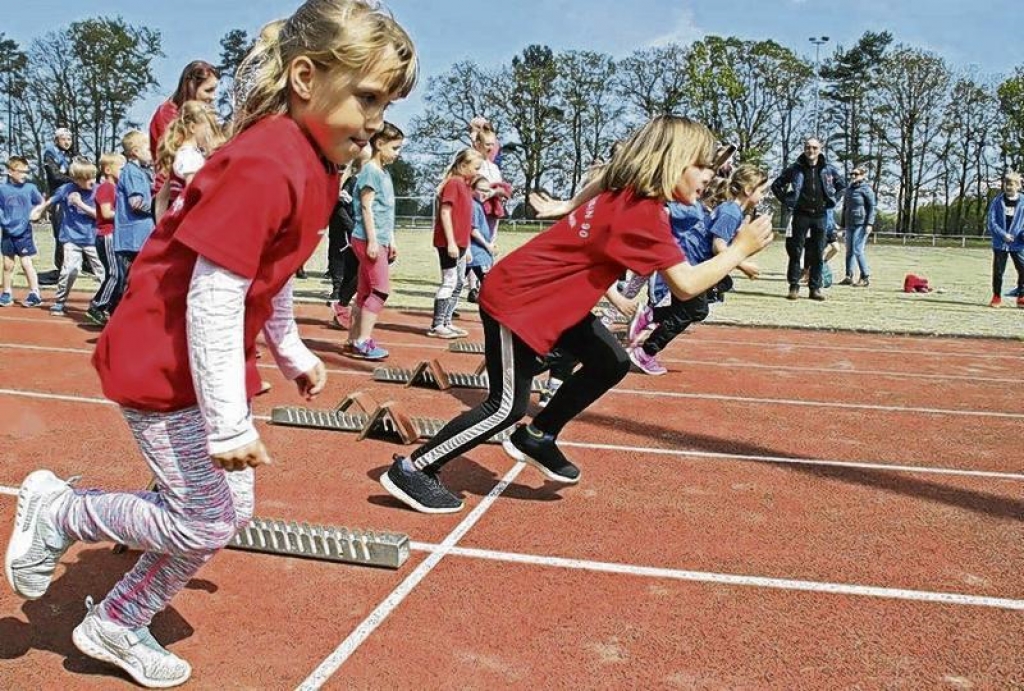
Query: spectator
x=808 y=188
x=859 y=220
x=1005 y=220
x=57 y=158
x=198 y=82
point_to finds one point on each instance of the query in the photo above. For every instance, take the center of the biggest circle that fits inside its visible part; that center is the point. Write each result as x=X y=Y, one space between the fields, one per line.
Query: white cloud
x=685 y=29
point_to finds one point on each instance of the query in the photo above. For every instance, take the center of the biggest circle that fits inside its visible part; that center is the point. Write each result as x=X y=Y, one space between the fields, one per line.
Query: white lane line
x=995 y=475
x=728 y=579
x=657 y=451
x=10 y=491
x=336 y=659
x=820 y=404
x=894 y=351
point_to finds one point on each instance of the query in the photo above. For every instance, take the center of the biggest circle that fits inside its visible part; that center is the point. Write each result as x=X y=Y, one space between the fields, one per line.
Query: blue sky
x=970 y=35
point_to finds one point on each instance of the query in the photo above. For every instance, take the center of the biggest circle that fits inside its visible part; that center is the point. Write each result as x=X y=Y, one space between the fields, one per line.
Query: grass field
x=959 y=307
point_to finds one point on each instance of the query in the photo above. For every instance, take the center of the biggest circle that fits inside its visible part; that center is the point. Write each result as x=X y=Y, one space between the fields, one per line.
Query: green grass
x=963 y=275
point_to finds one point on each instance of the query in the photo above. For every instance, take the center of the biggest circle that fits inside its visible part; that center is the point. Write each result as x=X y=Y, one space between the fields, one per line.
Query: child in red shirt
x=540 y=297
x=106 y=199
x=453 y=228
x=179 y=353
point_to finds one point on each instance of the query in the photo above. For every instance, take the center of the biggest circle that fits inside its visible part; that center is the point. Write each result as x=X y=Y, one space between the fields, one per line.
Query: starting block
x=327 y=543
x=466 y=347
x=386 y=421
x=431 y=373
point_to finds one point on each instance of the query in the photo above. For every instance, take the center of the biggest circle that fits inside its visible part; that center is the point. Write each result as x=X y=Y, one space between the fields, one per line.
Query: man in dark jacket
x=56 y=163
x=808 y=188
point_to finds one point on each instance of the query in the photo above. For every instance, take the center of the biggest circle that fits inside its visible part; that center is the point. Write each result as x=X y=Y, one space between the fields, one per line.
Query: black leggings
x=999 y=266
x=511 y=367
x=673 y=320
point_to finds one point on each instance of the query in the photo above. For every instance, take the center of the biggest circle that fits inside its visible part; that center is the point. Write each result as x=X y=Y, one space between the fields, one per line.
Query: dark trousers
x=343 y=267
x=799 y=244
x=124 y=265
x=56 y=216
x=673 y=319
x=511 y=367
x=999 y=267
x=111 y=276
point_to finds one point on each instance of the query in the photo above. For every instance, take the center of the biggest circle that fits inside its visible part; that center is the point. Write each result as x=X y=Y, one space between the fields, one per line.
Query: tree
x=1011 y=107
x=651 y=80
x=13 y=62
x=971 y=121
x=234 y=46
x=452 y=100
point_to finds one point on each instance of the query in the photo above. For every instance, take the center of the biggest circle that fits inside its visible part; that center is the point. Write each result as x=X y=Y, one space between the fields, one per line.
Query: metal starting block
x=431 y=373
x=466 y=347
x=366 y=548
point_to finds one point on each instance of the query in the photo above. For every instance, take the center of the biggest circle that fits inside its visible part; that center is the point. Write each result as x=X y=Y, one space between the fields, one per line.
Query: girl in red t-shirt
x=453 y=228
x=178 y=355
x=106 y=201
x=188 y=142
x=540 y=297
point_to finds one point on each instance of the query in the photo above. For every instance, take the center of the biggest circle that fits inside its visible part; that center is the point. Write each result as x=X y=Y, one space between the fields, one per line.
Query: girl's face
x=207 y=91
x=471 y=168
x=485 y=144
x=692 y=183
x=388 y=152
x=482 y=191
x=113 y=170
x=339 y=115
x=754 y=197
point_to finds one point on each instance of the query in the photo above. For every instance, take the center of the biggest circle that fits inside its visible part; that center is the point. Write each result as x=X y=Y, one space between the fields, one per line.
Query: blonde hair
x=462 y=159
x=192 y=113
x=109 y=160
x=132 y=140
x=82 y=170
x=653 y=159
x=348 y=37
x=1011 y=176
x=745 y=179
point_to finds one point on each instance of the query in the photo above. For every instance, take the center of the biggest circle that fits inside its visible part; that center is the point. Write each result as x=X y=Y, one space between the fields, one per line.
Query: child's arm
x=75 y=199
x=748 y=267
x=686 y=281
x=831 y=250
x=293 y=358
x=546 y=207
x=38 y=210
x=366 y=197
x=482 y=241
x=215 y=324
x=447 y=224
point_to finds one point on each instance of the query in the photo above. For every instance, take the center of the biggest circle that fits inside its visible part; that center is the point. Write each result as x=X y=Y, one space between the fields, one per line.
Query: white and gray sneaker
x=36 y=544
x=133 y=650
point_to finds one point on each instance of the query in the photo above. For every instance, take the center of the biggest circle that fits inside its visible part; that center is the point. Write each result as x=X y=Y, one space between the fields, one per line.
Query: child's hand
x=252 y=455
x=453 y=251
x=627 y=307
x=546 y=207
x=754 y=236
x=75 y=199
x=750 y=269
x=372 y=250
x=311 y=383
x=392 y=253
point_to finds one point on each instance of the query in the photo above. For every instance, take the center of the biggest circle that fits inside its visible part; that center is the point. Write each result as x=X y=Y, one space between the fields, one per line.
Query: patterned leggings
x=195 y=513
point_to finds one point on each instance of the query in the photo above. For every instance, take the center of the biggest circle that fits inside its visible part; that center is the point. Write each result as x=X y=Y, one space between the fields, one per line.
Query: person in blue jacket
x=859 y=220
x=808 y=188
x=1005 y=221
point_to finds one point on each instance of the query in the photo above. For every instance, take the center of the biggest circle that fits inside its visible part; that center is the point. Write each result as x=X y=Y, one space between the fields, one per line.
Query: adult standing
x=808 y=188
x=56 y=163
x=198 y=82
x=859 y=220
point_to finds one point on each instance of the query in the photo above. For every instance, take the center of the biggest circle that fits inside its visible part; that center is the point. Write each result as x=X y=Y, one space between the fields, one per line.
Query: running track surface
x=784 y=509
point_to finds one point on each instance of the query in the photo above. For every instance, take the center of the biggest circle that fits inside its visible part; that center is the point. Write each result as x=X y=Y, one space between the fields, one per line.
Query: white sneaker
x=441 y=332
x=459 y=333
x=133 y=650
x=36 y=544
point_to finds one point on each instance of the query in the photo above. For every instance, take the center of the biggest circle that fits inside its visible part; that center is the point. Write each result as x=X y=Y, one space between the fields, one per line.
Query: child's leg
x=377 y=294
x=1018 y=264
x=69 y=269
x=604 y=364
x=449 y=279
x=8 y=273
x=363 y=284
x=998 y=268
x=111 y=271
x=673 y=320
x=29 y=269
x=95 y=264
x=197 y=511
x=350 y=278
x=460 y=281
x=511 y=366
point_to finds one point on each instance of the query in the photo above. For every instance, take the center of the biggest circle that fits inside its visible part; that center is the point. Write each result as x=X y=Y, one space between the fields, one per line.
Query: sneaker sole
x=517 y=455
x=397 y=492
x=641 y=368
x=84 y=644
x=445 y=337
x=25 y=522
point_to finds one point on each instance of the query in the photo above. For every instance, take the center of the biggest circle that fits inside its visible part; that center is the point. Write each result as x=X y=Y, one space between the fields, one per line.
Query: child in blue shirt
x=481 y=247
x=133 y=213
x=700 y=241
x=77 y=229
x=20 y=203
x=1005 y=221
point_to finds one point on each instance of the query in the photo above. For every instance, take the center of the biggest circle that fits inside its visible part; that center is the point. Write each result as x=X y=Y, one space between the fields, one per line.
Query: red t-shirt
x=549 y=284
x=457 y=193
x=106 y=193
x=258 y=208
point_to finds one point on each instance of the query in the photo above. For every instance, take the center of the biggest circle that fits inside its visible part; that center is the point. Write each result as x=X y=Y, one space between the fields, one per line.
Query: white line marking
x=10 y=491
x=894 y=351
x=820 y=404
x=797 y=461
x=656 y=451
x=336 y=659
x=728 y=579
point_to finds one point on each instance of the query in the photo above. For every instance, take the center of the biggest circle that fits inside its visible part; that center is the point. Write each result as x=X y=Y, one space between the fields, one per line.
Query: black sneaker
x=474 y=296
x=543 y=454
x=97 y=317
x=419 y=490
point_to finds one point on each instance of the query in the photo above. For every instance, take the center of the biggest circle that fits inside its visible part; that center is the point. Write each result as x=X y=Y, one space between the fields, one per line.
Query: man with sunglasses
x=808 y=188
